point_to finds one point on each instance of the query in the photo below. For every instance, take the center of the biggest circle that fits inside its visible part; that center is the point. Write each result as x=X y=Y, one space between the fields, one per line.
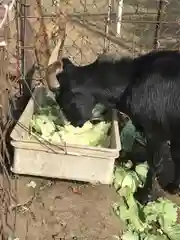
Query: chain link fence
x=125 y=28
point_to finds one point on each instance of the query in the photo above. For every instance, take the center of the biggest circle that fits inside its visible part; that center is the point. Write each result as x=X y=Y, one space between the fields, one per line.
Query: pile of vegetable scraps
x=51 y=125
x=155 y=221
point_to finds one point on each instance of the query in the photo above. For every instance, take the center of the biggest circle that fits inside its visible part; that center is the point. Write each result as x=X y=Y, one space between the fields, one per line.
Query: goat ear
x=52 y=70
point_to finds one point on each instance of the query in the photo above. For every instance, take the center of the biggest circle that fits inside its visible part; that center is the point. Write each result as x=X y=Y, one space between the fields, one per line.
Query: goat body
x=146 y=88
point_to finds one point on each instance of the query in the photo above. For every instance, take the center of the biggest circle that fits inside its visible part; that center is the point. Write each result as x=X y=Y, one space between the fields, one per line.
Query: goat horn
x=55 y=64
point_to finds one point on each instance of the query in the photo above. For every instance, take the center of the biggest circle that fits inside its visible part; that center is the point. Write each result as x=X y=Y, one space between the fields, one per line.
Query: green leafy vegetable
x=51 y=125
x=163 y=211
x=119 y=176
x=131 y=180
x=89 y=134
x=155 y=237
x=128 y=164
x=130 y=236
x=141 y=171
x=43 y=125
x=98 y=110
x=128 y=135
x=173 y=232
x=130 y=210
x=155 y=221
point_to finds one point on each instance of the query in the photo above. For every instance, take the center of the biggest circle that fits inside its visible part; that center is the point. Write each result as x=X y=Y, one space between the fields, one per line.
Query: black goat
x=146 y=88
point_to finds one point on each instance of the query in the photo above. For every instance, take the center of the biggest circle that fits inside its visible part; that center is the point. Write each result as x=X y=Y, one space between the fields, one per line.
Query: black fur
x=146 y=88
x=165 y=173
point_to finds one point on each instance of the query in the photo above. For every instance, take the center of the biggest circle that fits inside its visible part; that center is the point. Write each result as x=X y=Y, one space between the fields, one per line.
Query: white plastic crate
x=73 y=162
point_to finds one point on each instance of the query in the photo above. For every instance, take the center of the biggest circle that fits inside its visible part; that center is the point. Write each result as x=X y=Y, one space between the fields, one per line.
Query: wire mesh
x=92 y=27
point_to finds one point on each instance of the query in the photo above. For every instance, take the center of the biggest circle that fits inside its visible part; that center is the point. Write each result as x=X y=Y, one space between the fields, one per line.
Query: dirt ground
x=64 y=210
